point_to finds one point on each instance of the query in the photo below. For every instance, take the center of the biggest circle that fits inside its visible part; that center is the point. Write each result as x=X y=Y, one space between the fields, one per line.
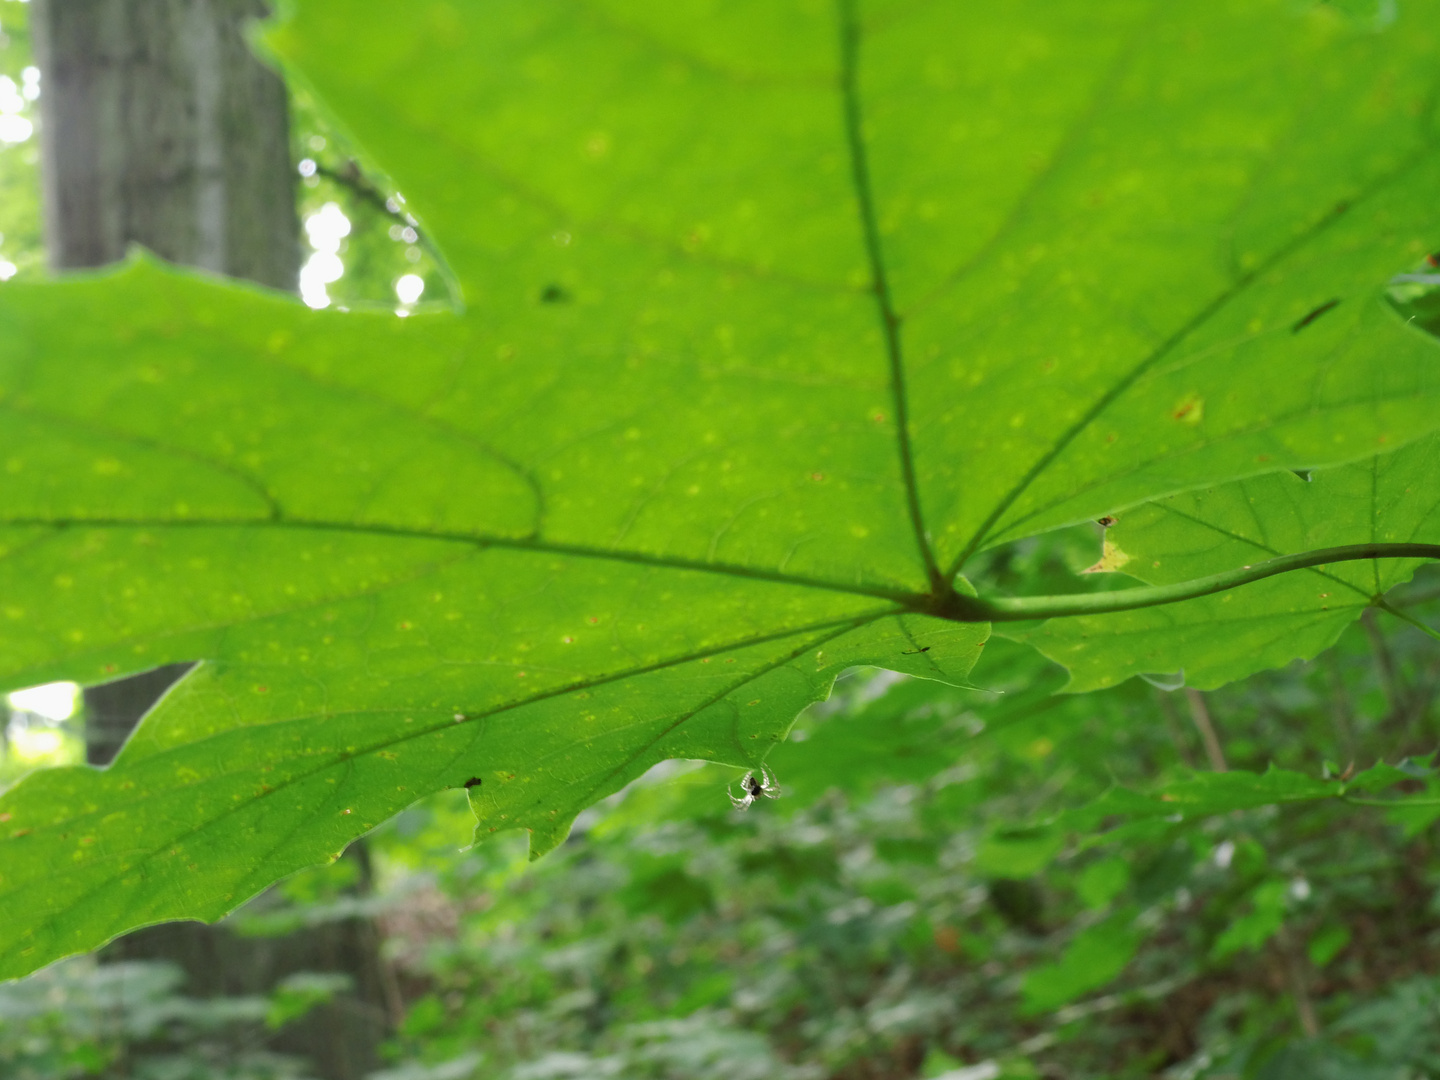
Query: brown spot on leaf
x=1190 y=410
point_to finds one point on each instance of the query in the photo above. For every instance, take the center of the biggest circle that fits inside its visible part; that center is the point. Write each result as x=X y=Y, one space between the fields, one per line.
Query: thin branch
x=1388 y=804
x=1341 y=712
x=1172 y=726
x=350 y=177
x=1200 y=715
x=1298 y=977
x=1390 y=681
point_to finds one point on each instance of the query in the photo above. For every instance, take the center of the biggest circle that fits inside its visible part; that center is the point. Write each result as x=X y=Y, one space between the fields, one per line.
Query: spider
x=754 y=787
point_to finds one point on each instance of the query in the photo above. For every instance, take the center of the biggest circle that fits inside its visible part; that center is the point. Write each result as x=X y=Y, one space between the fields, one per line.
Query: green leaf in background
x=1092 y=958
x=1327 y=944
x=773 y=315
x=1266 y=914
x=298 y=994
x=1018 y=853
x=1120 y=813
x=1100 y=882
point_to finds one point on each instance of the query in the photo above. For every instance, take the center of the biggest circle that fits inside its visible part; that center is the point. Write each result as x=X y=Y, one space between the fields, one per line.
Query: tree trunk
x=113 y=709
x=160 y=128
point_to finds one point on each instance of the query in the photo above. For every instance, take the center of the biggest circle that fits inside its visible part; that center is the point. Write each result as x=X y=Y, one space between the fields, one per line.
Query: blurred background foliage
x=898 y=912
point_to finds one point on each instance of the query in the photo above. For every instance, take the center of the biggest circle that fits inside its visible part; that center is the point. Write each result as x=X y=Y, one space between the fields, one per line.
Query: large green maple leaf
x=774 y=314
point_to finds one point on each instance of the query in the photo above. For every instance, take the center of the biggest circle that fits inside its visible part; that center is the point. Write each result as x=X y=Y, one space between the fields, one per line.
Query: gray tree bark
x=160 y=128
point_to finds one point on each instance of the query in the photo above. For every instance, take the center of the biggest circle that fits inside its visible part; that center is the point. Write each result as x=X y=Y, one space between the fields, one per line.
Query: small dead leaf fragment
x=1111 y=559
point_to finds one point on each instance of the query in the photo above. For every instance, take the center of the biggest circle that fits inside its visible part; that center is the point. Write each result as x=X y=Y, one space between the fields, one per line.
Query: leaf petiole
x=1018 y=608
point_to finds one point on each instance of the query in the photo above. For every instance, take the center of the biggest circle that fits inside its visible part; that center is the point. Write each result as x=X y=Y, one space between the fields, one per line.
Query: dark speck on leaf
x=1329 y=305
x=474 y=781
x=554 y=294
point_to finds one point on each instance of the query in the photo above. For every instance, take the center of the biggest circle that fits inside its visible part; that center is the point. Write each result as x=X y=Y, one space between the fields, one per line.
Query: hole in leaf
x=1416 y=294
x=1168 y=681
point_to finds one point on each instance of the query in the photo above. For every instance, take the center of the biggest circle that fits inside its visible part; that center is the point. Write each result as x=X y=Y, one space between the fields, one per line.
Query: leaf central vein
x=880 y=286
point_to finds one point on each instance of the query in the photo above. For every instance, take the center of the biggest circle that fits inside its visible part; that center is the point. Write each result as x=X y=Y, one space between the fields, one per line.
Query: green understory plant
x=778 y=329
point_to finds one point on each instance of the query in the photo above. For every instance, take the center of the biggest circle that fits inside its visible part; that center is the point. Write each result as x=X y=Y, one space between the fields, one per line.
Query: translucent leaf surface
x=770 y=315
x=1393 y=498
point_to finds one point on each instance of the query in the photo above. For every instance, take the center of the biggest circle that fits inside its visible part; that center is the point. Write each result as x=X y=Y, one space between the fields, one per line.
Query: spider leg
x=743 y=800
x=769 y=783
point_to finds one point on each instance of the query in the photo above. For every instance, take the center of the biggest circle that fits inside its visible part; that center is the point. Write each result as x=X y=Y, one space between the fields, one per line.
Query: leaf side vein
x=1217 y=304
